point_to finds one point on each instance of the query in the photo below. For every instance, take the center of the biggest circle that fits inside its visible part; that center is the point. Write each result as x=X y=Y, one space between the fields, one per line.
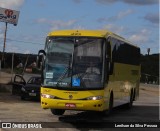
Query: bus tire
x=109 y=110
x=134 y=95
x=57 y=111
x=130 y=104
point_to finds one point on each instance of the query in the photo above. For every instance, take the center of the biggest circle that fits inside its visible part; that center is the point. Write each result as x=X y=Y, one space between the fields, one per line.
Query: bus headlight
x=47 y=96
x=95 y=98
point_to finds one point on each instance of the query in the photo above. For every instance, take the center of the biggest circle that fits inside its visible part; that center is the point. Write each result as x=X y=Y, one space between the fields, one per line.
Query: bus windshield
x=74 y=62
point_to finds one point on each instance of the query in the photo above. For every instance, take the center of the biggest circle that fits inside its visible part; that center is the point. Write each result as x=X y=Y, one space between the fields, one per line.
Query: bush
x=18 y=70
x=36 y=71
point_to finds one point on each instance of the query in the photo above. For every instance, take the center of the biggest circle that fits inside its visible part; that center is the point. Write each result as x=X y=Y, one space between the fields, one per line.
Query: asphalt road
x=145 y=109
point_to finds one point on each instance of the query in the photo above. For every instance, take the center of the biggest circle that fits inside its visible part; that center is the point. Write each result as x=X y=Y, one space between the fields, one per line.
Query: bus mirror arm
x=39 y=58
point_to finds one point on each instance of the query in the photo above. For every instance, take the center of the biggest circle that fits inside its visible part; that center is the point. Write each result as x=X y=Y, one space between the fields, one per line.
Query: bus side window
x=107 y=59
x=110 y=56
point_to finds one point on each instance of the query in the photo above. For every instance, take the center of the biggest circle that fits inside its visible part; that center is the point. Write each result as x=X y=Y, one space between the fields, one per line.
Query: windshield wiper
x=66 y=70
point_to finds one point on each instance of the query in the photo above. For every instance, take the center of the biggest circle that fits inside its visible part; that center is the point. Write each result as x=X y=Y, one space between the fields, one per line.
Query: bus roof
x=89 y=33
x=93 y=33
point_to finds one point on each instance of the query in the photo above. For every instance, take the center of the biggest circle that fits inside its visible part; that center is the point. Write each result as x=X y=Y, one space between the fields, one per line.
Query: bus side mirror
x=41 y=52
x=40 y=58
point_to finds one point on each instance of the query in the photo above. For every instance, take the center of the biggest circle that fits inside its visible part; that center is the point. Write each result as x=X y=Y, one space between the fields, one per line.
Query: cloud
x=27 y=52
x=123 y=14
x=145 y=38
x=152 y=17
x=11 y=4
x=57 y=24
x=1 y=36
x=114 y=28
x=79 y=27
x=140 y=37
x=133 y=2
x=42 y=20
x=141 y=2
x=119 y=16
x=11 y=47
x=2 y=29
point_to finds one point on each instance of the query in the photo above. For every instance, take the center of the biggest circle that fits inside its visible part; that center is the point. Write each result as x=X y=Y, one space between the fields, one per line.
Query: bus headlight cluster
x=95 y=98
x=47 y=96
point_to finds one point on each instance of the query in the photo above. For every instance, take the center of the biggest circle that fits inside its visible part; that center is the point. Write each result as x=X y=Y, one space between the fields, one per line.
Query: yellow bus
x=88 y=70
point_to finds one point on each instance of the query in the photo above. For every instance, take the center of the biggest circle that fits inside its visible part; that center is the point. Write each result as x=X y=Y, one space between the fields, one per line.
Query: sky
x=135 y=20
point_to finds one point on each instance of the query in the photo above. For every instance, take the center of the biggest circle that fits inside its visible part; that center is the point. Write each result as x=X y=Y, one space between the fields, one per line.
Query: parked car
x=18 y=83
x=30 y=89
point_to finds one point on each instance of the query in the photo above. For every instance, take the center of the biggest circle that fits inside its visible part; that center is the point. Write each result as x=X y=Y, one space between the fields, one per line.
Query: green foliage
x=150 y=64
x=18 y=70
x=150 y=68
x=36 y=71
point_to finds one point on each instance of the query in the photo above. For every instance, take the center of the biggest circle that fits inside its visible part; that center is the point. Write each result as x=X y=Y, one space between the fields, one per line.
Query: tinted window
x=35 y=80
x=124 y=53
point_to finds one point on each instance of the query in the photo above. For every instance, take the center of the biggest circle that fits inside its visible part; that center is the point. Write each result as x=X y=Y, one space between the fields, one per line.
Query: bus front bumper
x=90 y=105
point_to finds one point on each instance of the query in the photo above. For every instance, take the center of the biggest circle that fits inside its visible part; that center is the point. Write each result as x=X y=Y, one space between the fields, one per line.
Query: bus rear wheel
x=57 y=111
x=130 y=104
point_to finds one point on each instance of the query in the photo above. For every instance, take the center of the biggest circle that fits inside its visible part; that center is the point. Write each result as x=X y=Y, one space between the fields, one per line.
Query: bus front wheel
x=109 y=110
x=57 y=111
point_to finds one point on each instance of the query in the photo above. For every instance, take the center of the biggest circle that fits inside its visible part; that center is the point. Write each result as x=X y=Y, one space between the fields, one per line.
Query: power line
x=23 y=41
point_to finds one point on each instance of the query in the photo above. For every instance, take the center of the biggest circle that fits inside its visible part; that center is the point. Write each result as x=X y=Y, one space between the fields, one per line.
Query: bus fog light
x=95 y=98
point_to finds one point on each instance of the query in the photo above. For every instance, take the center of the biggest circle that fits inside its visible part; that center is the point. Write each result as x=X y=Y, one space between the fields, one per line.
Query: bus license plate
x=32 y=94
x=71 y=105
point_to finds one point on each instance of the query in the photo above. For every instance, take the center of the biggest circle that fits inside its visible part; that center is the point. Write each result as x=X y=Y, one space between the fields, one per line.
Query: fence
x=149 y=79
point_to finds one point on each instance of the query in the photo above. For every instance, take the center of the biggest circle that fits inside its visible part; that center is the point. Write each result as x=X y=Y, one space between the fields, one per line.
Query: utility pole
x=148 y=51
x=25 y=65
x=4 y=46
x=12 y=66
